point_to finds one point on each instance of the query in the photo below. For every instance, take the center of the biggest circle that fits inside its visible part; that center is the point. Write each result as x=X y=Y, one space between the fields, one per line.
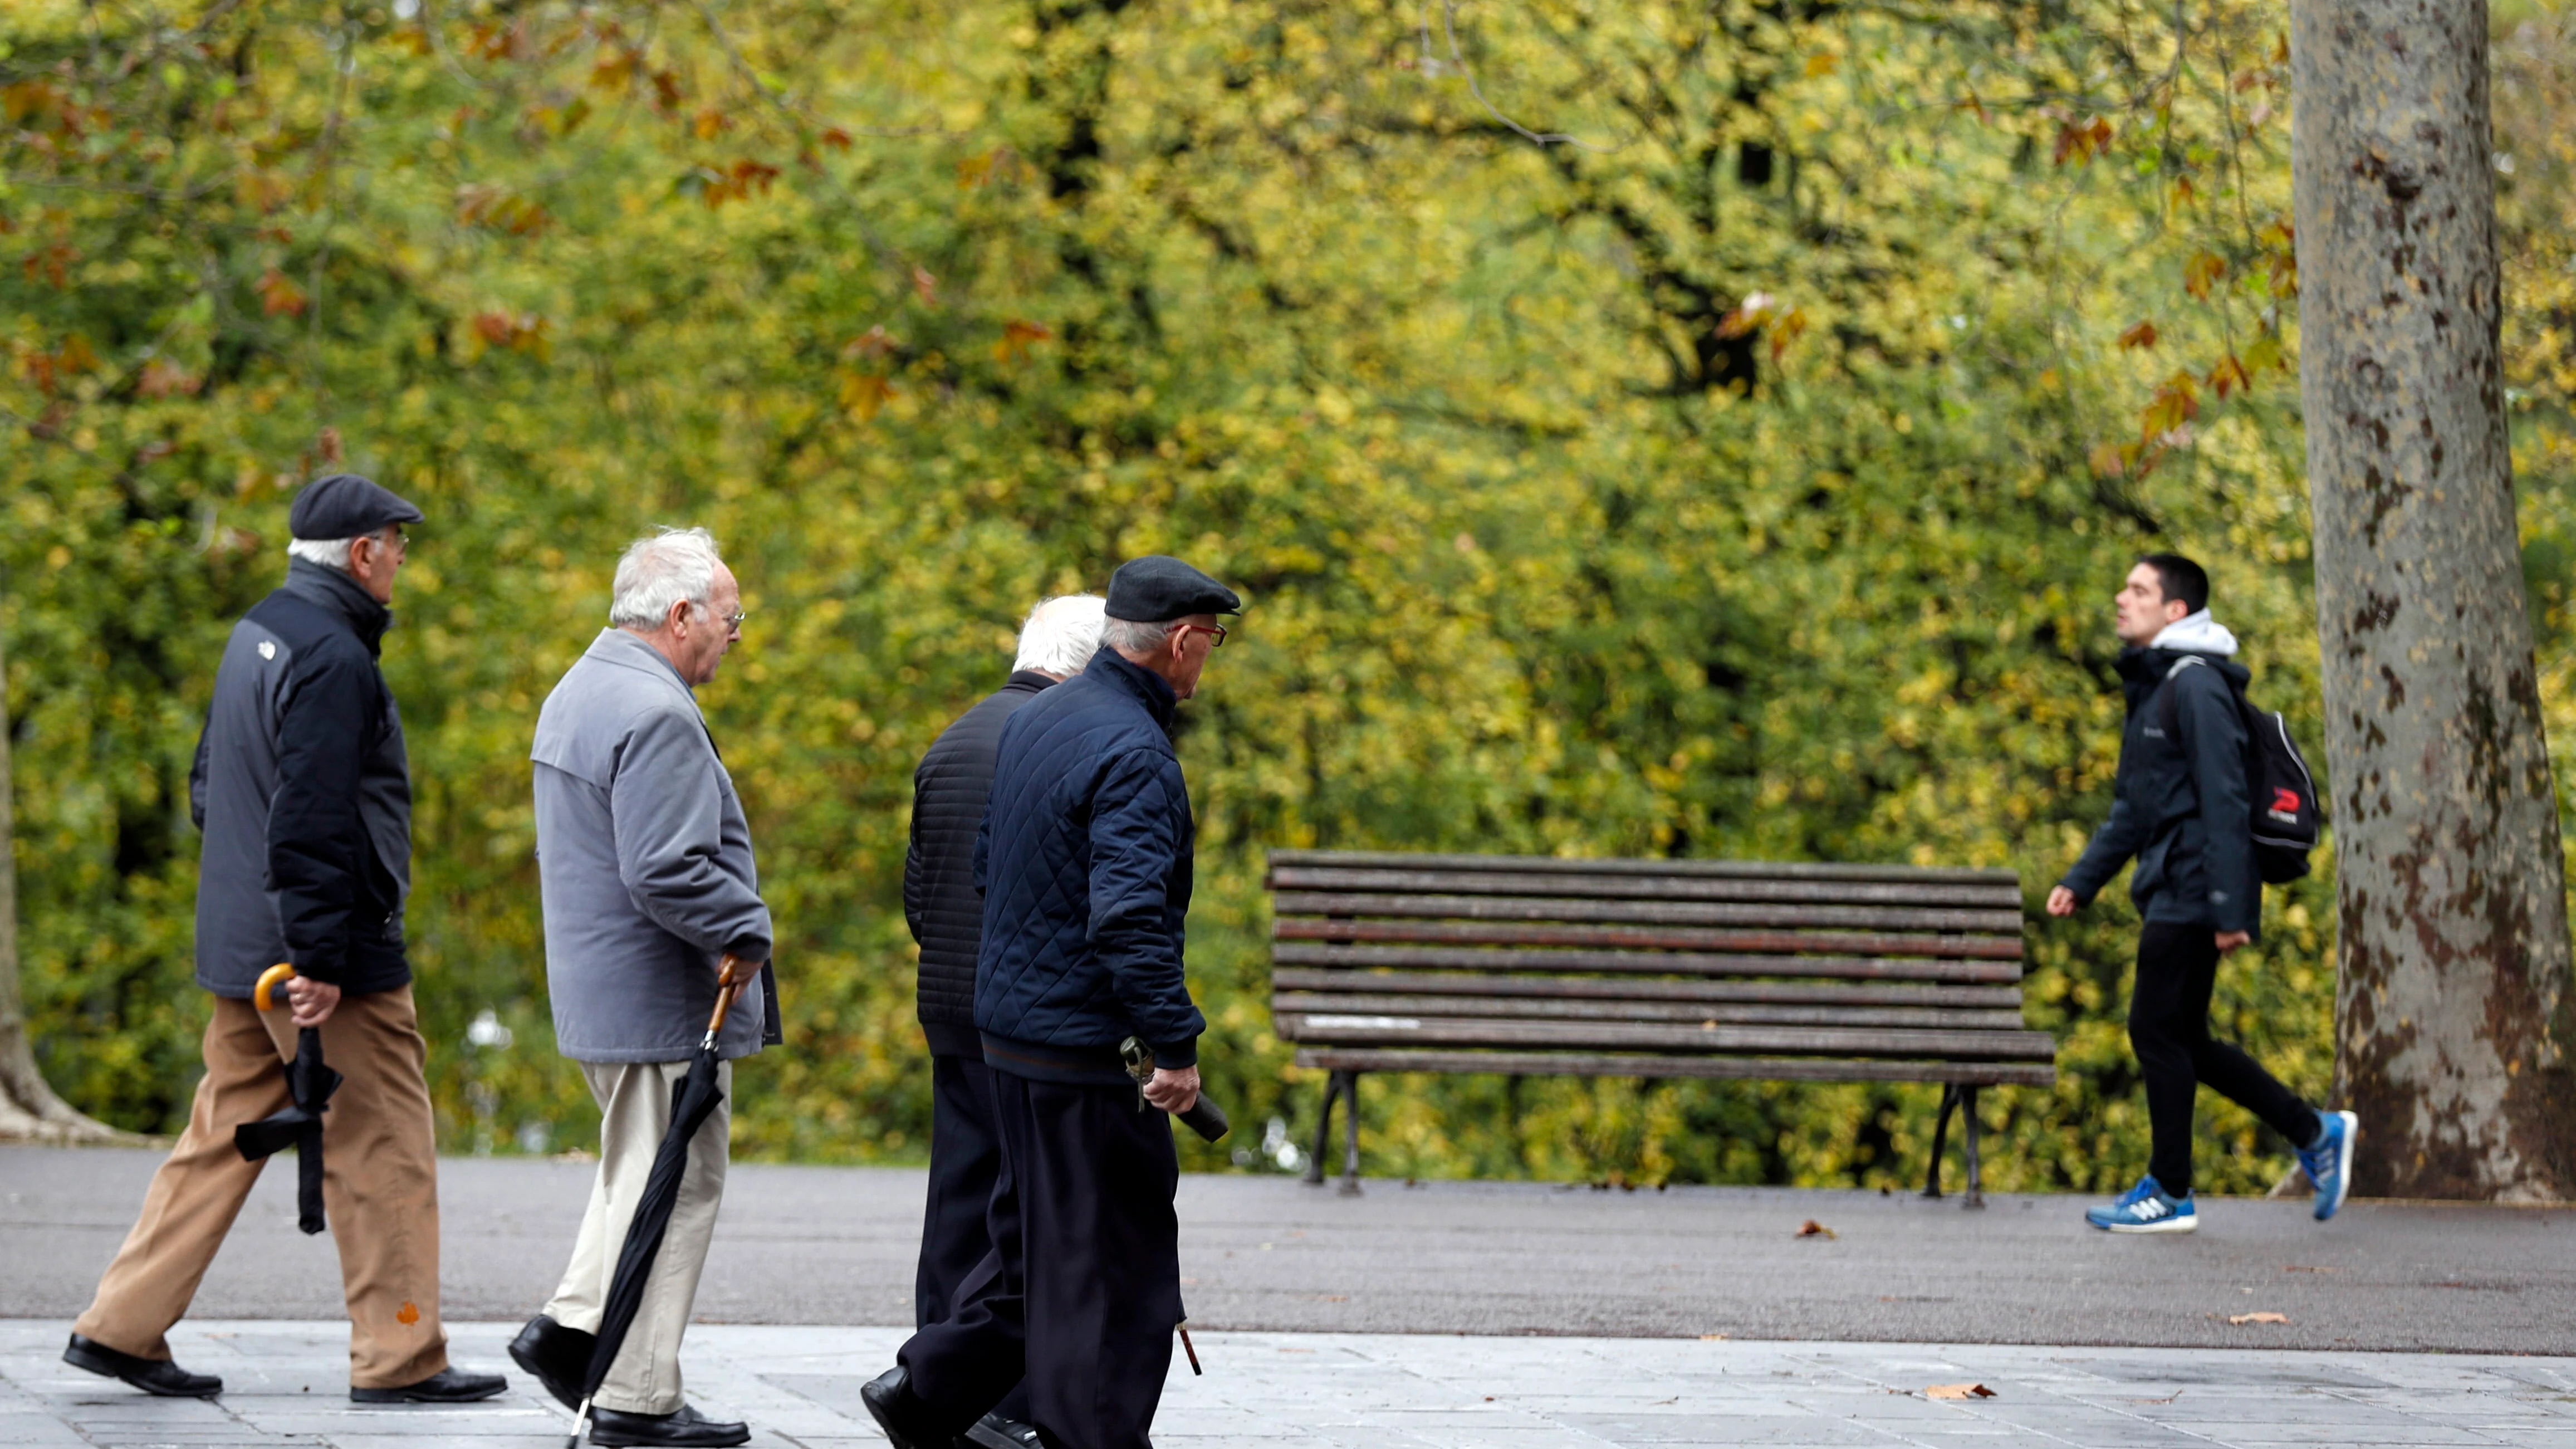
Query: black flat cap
x=1157 y=589
x=345 y=505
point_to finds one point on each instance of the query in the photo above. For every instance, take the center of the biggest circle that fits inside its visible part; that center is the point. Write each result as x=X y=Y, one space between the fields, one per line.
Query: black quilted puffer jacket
x=939 y=895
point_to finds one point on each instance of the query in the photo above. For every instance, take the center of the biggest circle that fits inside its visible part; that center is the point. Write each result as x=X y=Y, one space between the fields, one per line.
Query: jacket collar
x=2142 y=669
x=343 y=596
x=1111 y=668
x=628 y=651
x=1029 y=681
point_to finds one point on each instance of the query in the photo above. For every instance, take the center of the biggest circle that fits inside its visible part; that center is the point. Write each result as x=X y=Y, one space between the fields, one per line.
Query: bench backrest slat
x=1708 y=869
x=1612 y=988
x=1662 y=913
x=1990 y=896
x=1660 y=963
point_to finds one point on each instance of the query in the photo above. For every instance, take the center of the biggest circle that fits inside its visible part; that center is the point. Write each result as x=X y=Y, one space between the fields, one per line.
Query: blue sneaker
x=2146 y=1208
x=2329 y=1163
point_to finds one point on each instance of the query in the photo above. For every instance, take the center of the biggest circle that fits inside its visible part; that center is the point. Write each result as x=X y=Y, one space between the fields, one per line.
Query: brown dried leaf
x=1813 y=1229
x=1958 y=1391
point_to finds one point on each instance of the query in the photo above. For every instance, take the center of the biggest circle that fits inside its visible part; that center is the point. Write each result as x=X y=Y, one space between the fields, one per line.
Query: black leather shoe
x=614 y=1430
x=995 y=1432
x=151 y=1375
x=447 y=1386
x=904 y=1418
x=558 y=1356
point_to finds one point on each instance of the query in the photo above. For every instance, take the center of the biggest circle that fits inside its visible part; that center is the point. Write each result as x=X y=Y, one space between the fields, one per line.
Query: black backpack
x=2280 y=794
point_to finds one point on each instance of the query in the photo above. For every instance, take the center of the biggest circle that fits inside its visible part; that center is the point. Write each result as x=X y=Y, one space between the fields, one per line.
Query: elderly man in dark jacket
x=304 y=794
x=644 y=858
x=2178 y=808
x=1087 y=848
x=945 y=909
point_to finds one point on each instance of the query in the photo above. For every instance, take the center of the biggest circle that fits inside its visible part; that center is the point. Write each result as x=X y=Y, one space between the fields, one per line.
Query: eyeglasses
x=1215 y=633
x=399 y=543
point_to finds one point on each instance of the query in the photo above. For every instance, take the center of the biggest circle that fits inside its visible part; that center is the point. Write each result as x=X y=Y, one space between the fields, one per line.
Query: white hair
x=330 y=553
x=1061 y=635
x=1132 y=637
x=676 y=565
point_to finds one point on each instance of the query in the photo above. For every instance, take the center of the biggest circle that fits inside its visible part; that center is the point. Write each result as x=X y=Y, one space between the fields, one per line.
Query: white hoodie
x=2196 y=634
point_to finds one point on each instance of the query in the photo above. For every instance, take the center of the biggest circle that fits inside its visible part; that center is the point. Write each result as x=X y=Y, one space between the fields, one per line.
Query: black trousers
x=965 y=1166
x=2169 y=1030
x=1079 y=1297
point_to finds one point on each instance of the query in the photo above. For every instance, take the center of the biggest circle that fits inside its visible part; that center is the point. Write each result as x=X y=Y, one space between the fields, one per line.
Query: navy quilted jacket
x=1084 y=858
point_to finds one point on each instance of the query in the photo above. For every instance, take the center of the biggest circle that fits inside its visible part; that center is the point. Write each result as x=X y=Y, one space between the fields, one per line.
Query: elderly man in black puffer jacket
x=945 y=908
x=1086 y=855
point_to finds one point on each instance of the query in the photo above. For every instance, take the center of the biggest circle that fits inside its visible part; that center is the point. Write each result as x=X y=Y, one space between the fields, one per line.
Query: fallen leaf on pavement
x=1813 y=1229
x=2258 y=1318
x=1958 y=1391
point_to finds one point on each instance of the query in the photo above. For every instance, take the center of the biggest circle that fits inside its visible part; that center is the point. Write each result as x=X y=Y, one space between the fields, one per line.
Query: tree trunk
x=2453 y=1009
x=29 y=1110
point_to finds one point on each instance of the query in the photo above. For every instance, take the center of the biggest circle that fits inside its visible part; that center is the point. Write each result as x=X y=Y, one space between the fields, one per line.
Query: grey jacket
x=644 y=859
x=304 y=795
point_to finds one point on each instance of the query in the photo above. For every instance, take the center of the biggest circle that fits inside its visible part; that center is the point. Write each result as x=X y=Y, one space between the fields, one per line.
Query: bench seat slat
x=1351 y=1030
x=1655 y=938
x=1799 y=993
x=1764 y=1069
x=1707 y=869
x=1791 y=915
x=1643 y=887
x=1688 y=1013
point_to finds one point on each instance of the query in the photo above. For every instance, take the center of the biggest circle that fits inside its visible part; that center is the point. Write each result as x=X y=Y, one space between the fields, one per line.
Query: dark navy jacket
x=1084 y=859
x=940 y=901
x=2178 y=803
x=304 y=795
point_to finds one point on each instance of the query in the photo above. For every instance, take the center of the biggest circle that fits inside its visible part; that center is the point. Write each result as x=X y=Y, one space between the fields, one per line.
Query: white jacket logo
x=267 y=649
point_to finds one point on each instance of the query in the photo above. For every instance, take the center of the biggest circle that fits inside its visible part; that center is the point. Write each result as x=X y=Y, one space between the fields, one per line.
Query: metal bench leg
x=1351 y=1129
x=1976 y=1181
x=1940 y=1138
x=1323 y=1131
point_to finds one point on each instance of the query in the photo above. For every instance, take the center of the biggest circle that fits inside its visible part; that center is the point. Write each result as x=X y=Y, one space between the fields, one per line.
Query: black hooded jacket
x=940 y=901
x=2178 y=803
x=304 y=794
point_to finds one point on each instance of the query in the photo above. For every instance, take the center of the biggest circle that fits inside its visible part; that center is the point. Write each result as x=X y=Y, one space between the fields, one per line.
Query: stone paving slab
x=837 y=1245
x=798 y=1386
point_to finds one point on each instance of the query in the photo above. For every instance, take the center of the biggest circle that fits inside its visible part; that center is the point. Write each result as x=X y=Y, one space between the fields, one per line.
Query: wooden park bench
x=1526 y=965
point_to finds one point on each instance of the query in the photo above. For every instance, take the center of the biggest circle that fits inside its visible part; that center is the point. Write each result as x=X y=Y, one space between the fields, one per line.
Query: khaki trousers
x=379 y=1187
x=634 y=1117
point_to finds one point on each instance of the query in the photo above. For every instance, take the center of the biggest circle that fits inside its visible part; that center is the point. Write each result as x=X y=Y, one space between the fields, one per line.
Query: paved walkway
x=836 y=1246
x=799 y=1386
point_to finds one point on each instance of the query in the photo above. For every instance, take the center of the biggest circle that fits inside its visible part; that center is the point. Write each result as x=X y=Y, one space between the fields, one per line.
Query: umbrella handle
x=728 y=974
x=269 y=980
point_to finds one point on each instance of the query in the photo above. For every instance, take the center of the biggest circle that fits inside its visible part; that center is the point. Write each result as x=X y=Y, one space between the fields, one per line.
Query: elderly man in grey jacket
x=645 y=862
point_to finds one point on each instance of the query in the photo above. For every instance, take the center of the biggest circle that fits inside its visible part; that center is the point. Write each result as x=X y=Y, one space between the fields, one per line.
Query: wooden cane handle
x=727 y=974
x=269 y=980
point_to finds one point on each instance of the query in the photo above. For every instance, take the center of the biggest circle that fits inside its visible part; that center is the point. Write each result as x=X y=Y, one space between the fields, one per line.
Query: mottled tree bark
x=2453 y=1005
x=29 y=1110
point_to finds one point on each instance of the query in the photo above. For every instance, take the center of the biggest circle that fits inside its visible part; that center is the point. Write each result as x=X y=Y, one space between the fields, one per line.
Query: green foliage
x=1746 y=478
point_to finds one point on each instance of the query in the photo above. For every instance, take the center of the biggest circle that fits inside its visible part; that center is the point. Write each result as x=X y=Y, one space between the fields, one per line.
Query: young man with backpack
x=2211 y=799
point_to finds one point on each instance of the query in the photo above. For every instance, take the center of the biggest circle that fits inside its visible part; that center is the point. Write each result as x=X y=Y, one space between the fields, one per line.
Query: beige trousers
x=379 y=1187
x=635 y=1115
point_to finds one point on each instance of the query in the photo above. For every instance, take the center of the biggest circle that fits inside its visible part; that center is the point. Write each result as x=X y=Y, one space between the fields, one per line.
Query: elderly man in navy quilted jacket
x=1086 y=852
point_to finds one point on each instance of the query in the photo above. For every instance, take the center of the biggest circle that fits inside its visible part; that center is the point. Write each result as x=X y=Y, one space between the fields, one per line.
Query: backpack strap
x=2165 y=702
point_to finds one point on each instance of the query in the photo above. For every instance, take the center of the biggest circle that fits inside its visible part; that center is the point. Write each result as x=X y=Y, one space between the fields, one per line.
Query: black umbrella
x=309 y=1084
x=692 y=1101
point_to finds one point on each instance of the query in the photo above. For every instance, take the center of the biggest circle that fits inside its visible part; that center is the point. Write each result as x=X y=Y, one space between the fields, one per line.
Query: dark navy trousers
x=965 y=1165
x=2169 y=1029
x=1080 y=1294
